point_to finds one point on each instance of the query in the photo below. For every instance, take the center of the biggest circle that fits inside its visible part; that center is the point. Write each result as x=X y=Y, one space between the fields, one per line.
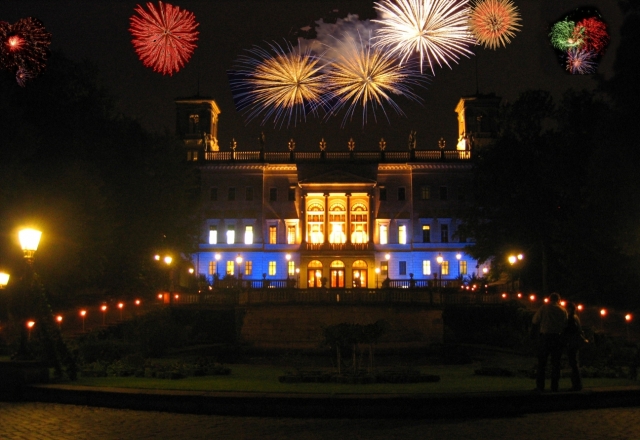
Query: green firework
x=564 y=35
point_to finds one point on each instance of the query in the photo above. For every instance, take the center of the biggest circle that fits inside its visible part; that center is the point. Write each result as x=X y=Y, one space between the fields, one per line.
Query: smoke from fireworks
x=24 y=45
x=494 y=22
x=164 y=38
x=581 y=62
x=436 y=29
x=284 y=84
x=366 y=76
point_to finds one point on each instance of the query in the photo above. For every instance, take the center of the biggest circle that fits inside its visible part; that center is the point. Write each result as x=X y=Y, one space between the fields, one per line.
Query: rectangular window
x=291 y=196
x=291 y=268
x=213 y=235
x=248 y=235
x=213 y=194
x=402 y=234
x=383 y=194
x=273 y=234
x=426 y=267
x=402 y=267
x=248 y=194
x=384 y=268
x=231 y=196
x=384 y=234
x=462 y=267
x=444 y=233
x=213 y=267
x=426 y=234
x=231 y=234
x=291 y=234
x=272 y=268
x=445 y=268
x=273 y=194
x=425 y=192
x=443 y=193
x=401 y=194
x=230 y=267
x=248 y=268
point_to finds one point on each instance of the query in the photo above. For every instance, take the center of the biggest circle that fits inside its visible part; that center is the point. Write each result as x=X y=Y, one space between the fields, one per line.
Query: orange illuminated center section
x=15 y=42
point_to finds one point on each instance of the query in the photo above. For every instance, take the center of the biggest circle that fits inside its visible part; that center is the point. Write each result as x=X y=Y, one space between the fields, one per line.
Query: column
x=348 y=219
x=326 y=218
x=303 y=218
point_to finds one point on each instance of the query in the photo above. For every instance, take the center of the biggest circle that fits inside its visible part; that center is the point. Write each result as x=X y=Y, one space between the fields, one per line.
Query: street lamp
x=603 y=313
x=377 y=271
x=30 y=325
x=288 y=258
x=239 y=262
x=440 y=260
x=59 y=321
x=29 y=240
x=4 y=280
x=387 y=257
x=298 y=276
x=458 y=257
x=83 y=314
x=103 y=308
x=627 y=318
x=120 y=306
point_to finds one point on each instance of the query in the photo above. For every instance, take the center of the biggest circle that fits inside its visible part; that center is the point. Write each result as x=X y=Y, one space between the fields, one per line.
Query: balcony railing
x=363 y=156
x=338 y=246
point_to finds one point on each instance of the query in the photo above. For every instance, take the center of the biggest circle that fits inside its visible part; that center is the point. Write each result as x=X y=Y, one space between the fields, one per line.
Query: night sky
x=98 y=30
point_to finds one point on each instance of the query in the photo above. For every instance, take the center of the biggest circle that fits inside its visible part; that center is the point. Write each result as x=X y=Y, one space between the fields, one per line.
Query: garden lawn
x=264 y=379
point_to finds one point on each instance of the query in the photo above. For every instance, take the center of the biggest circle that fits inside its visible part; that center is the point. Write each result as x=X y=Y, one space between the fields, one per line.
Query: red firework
x=595 y=35
x=24 y=45
x=164 y=37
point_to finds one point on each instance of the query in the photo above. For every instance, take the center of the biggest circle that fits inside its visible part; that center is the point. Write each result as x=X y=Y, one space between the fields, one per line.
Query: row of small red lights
x=579 y=307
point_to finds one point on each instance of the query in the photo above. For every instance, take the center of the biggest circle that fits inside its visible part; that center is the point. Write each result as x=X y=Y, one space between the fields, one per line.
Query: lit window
x=272 y=268
x=248 y=235
x=462 y=267
x=445 y=268
x=359 y=224
x=402 y=234
x=213 y=267
x=384 y=268
x=231 y=234
x=230 y=266
x=273 y=234
x=426 y=267
x=425 y=192
x=291 y=268
x=315 y=223
x=213 y=235
x=291 y=234
x=426 y=234
x=248 y=267
x=384 y=234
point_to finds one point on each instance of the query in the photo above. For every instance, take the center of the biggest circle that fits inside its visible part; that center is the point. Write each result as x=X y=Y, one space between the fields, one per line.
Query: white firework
x=438 y=30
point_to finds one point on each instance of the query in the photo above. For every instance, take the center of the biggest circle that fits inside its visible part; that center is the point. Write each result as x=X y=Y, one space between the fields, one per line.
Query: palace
x=340 y=219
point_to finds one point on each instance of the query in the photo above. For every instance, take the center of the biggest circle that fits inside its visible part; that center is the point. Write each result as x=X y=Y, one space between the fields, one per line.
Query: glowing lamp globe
x=29 y=240
x=168 y=260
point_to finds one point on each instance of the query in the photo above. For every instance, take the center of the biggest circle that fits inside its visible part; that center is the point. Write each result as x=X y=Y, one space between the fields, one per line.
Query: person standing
x=573 y=339
x=552 y=319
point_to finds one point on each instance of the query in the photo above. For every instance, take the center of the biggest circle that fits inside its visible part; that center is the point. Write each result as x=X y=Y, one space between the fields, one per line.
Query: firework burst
x=565 y=35
x=24 y=45
x=494 y=22
x=283 y=83
x=365 y=76
x=596 y=37
x=581 y=62
x=436 y=29
x=164 y=38
x=22 y=76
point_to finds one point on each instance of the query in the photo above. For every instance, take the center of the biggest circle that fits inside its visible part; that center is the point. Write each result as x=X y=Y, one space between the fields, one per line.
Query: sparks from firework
x=595 y=34
x=494 y=22
x=365 y=76
x=24 y=45
x=22 y=76
x=565 y=35
x=283 y=83
x=164 y=38
x=581 y=62
x=437 y=30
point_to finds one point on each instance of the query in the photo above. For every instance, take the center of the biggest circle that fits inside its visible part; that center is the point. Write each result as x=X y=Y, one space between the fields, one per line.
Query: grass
x=264 y=379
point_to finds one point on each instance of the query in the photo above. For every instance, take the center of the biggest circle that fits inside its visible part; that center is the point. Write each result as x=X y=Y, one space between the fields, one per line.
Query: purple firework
x=581 y=62
x=22 y=76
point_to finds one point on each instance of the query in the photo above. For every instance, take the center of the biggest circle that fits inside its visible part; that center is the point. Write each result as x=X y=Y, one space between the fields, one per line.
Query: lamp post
x=30 y=325
x=103 y=309
x=298 y=277
x=288 y=258
x=83 y=314
x=440 y=260
x=627 y=318
x=4 y=280
x=120 y=306
x=29 y=240
x=59 y=321
x=239 y=263
x=513 y=259
x=377 y=271
x=387 y=257
x=458 y=257
x=603 y=313
x=168 y=259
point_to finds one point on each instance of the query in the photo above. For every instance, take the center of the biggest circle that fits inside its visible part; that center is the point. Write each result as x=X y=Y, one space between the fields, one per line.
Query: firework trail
x=164 y=38
x=494 y=22
x=365 y=76
x=581 y=62
x=24 y=45
x=437 y=30
x=283 y=83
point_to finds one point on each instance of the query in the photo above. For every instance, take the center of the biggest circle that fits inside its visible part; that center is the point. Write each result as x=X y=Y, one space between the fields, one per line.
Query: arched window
x=337 y=263
x=360 y=264
x=337 y=223
x=315 y=223
x=314 y=274
x=359 y=223
x=315 y=263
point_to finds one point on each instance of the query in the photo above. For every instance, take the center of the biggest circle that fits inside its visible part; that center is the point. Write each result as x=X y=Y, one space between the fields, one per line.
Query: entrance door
x=315 y=277
x=337 y=278
x=359 y=278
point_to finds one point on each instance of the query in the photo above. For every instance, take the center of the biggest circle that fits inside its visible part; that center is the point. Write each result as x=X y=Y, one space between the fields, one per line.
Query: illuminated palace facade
x=348 y=219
